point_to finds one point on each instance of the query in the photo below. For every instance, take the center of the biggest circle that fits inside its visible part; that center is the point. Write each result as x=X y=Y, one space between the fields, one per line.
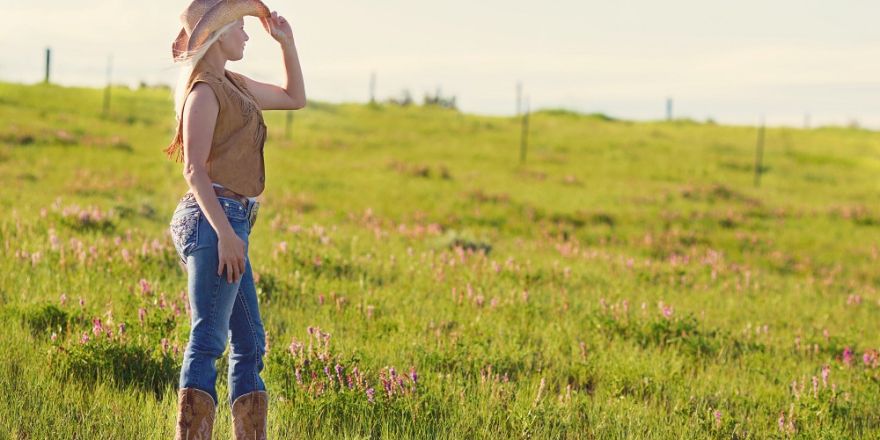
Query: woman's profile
x=219 y=138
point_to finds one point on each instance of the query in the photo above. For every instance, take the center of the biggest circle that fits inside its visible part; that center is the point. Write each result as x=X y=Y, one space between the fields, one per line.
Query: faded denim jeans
x=220 y=310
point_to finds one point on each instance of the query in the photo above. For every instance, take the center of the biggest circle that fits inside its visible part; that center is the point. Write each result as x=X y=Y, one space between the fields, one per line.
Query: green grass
x=627 y=281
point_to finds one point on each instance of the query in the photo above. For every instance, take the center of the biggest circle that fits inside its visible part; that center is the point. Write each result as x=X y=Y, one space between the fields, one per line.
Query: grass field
x=627 y=281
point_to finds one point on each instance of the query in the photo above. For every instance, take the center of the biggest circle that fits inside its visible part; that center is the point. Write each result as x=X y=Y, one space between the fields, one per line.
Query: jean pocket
x=184 y=229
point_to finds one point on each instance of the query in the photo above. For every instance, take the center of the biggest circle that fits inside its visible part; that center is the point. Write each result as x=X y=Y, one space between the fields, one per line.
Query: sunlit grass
x=417 y=280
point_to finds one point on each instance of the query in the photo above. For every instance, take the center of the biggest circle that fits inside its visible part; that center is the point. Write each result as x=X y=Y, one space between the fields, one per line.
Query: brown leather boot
x=195 y=415
x=249 y=413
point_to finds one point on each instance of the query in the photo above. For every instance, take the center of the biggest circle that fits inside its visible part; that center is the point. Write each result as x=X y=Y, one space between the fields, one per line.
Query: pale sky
x=732 y=61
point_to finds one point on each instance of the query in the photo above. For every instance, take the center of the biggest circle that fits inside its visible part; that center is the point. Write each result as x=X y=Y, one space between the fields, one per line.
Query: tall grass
x=628 y=281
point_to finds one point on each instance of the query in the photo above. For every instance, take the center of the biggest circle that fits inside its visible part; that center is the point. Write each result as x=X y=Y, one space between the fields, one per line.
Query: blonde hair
x=188 y=62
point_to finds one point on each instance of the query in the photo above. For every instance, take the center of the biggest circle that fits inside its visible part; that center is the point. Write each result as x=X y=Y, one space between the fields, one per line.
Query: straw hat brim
x=221 y=14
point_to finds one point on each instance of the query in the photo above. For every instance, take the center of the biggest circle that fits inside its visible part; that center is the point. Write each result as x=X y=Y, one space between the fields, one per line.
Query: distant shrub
x=439 y=100
x=44 y=318
x=682 y=333
x=454 y=239
x=125 y=363
x=404 y=100
x=419 y=170
x=87 y=218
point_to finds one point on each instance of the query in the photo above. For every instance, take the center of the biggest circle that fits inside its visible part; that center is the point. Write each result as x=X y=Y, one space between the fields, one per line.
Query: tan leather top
x=236 y=158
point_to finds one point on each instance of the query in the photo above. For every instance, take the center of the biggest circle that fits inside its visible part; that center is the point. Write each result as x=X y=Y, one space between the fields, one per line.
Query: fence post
x=107 y=89
x=668 y=109
x=288 y=124
x=524 y=136
x=759 y=154
x=373 y=88
x=48 y=63
x=518 y=98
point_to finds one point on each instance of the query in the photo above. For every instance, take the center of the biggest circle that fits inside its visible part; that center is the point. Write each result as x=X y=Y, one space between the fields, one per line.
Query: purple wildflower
x=869 y=358
x=97 y=327
x=412 y=375
x=145 y=286
x=826 y=370
x=338 y=369
x=847 y=356
x=371 y=394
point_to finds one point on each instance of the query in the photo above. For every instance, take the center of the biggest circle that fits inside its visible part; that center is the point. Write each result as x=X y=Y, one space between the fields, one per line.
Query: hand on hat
x=278 y=27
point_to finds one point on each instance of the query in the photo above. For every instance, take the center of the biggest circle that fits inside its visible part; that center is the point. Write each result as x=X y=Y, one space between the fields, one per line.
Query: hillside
x=628 y=280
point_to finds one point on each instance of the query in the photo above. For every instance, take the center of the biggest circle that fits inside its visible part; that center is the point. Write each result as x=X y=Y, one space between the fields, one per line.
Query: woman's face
x=232 y=41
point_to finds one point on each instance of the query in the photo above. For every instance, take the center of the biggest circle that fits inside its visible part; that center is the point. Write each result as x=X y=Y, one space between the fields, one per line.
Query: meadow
x=416 y=280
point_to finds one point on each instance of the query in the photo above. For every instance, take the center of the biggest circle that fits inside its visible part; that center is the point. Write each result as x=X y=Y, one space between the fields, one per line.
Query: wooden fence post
x=288 y=125
x=373 y=88
x=109 y=83
x=759 y=154
x=524 y=136
x=48 y=63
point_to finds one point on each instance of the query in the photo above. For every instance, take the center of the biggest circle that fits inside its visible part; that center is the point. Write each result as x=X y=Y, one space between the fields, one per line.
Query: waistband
x=251 y=206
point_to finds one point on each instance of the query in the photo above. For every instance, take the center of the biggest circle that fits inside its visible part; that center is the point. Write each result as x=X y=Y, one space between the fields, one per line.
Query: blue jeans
x=219 y=309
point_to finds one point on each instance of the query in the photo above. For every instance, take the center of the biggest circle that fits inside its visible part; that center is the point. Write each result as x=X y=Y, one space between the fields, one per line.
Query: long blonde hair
x=188 y=62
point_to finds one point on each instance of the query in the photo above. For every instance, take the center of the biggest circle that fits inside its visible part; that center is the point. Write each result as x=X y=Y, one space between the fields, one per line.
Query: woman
x=220 y=137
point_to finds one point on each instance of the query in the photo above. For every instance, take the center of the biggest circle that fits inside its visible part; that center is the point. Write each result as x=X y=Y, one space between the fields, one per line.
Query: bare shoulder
x=203 y=98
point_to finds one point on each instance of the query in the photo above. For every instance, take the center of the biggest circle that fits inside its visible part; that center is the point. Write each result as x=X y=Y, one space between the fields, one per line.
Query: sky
x=785 y=61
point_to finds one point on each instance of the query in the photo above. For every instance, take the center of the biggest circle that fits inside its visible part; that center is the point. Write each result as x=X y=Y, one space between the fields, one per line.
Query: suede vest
x=236 y=158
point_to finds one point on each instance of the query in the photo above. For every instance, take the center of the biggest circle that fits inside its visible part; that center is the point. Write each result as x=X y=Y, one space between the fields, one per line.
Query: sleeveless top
x=236 y=157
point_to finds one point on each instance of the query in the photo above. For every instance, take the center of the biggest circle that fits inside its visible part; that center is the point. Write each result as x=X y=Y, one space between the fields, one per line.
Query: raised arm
x=293 y=95
x=199 y=118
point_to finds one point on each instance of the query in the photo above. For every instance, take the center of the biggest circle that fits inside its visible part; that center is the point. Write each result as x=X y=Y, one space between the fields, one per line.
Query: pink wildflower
x=412 y=375
x=847 y=356
x=145 y=286
x=97 y=327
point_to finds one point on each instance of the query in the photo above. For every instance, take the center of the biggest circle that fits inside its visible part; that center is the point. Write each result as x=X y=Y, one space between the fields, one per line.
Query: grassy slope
x=603 y=213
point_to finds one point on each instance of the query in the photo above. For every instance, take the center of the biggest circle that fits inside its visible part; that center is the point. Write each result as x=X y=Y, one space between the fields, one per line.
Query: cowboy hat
x=202 y=17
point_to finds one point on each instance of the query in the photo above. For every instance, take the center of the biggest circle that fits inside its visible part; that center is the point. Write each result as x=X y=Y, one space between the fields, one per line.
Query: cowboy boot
x=195 y=415
x=249 y=413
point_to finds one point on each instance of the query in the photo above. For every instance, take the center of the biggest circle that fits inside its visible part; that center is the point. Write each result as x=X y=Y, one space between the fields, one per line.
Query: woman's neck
x=214 y=60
